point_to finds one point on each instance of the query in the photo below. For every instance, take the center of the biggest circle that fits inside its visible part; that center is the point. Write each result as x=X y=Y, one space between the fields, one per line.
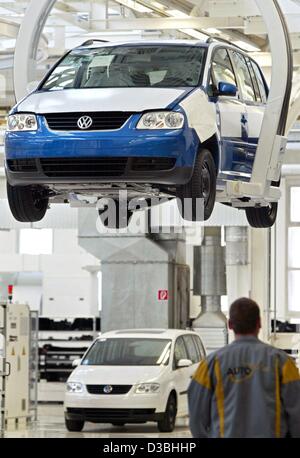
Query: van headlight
x=22 y=122
x=161 y=120
x=147 y=388
x=74 y=387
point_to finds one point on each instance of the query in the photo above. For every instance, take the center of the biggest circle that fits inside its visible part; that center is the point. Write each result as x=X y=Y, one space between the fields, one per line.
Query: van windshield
x=128 y=66
x=128 y=352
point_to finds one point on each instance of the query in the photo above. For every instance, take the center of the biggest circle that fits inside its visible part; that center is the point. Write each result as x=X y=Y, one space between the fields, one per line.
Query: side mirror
x=76 y=362
x=227 y=89
x=184 y=363
x=32 y=86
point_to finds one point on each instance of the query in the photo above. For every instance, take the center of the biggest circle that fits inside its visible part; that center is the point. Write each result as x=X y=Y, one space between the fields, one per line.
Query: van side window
x=260 y=81
x=179 y=352
x=191 y=349
x=254 y=81
x=200 y=347
x=243 y=76
x=221 y=69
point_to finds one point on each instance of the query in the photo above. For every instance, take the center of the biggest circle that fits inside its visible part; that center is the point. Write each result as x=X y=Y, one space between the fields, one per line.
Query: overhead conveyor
x=263 y=188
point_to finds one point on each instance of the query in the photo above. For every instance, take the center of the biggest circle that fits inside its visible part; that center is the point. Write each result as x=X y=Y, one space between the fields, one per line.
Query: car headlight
x=146 y=388
x=74 y=387
x=21 y=122
x=161 y=120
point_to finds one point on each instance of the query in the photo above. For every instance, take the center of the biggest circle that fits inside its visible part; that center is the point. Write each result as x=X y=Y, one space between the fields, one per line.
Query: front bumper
x=126 y=143
x=130 y=407
x=95 y=415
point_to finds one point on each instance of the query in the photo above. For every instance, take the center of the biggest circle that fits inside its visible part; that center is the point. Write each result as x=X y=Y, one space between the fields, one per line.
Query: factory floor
x=50 y=424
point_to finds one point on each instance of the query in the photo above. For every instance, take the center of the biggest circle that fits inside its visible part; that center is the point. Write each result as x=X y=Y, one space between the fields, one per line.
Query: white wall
x=65 y=289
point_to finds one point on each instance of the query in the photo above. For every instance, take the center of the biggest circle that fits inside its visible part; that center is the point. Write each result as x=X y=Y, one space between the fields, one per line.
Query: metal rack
x=34 y=363
x=3 y=373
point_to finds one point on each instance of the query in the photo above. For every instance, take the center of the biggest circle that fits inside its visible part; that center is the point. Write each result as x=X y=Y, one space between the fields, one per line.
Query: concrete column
x=260 y=275
x=94 y=288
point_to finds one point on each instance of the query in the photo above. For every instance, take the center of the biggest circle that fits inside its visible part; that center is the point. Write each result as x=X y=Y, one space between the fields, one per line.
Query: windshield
x=128 y=352
x=128 y=66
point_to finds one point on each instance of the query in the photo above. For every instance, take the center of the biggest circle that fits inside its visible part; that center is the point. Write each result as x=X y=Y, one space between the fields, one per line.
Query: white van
x=133 y=376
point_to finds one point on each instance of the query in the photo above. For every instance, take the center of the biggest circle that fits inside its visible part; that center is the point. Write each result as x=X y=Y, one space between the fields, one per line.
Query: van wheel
x=167 y=424
x=113 y=218
x=28 y=204
x=74 y=425
x=201 y=186
x=263 y=217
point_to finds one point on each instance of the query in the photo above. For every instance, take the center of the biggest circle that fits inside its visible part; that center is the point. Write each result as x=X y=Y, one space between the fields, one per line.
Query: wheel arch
x=213 y=145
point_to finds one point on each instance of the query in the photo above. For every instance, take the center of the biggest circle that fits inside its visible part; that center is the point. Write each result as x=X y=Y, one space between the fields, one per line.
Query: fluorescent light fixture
x=178 y=14
x=135 y=6
x=213 y=31
x=195 y=34
x=158 y=5
x=246 y=46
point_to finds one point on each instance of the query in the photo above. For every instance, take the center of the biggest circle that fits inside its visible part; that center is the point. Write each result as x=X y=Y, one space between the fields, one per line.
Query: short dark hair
x=244 y=316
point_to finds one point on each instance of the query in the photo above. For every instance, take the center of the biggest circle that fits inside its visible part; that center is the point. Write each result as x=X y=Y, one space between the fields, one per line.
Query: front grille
x=110 y=120
x=111 y=413
x=116 y=389
x=143 y=164
x=22 y=165
x=89 y=167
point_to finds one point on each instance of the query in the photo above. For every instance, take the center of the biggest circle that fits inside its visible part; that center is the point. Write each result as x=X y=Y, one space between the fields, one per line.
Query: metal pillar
x=145 y=280
x=260 y=275
x=211 y=323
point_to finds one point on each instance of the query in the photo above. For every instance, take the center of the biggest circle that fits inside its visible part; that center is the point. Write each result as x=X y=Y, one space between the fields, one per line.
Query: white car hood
x=116 y=375
x=105 y=99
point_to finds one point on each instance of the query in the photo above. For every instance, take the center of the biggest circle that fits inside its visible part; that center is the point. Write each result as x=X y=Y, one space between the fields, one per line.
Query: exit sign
x=163 y=295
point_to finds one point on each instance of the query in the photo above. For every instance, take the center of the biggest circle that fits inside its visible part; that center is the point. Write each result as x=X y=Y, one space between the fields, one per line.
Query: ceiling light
x=135 y=6
x=246 y=46
x=158 y=5
x=178 y=14
x=213 y=31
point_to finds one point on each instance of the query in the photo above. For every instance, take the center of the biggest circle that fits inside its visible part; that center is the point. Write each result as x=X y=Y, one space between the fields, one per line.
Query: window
x=191 y=349
x=179 y=351
x=293 y=259
x=200 y=347
x=260 y=81
x=129 y=352
x=128 y=66
x=222 y=70
x=254 y=81
x=243 y=76
x=36 y=241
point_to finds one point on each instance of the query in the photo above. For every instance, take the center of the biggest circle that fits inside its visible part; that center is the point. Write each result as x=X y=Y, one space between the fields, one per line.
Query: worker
x=247 y=389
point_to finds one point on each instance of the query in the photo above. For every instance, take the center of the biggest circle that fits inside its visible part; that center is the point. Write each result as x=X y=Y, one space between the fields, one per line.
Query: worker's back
x=247 y=389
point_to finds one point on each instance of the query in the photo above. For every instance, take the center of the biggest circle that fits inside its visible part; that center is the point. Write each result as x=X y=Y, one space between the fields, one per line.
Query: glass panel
x=294 y=291
x=260 y=81
x=128 y=66
x=128 y=352
x=222 y=69
x=191 y=348
x=243 y=75
x=295 y=207
x=294 y=247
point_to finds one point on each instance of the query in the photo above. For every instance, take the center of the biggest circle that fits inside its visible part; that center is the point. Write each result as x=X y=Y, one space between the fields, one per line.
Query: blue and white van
x=176 y=119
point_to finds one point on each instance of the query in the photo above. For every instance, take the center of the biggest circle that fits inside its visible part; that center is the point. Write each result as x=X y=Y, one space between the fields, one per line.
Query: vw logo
x=107 y=389
x=84 y=122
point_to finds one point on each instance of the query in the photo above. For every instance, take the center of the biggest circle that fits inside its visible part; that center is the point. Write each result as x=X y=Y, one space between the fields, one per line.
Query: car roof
x=146 y=333
x=97 y=44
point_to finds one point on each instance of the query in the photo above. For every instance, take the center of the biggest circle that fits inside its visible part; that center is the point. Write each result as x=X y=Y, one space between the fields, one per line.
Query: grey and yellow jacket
x=245 y=390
